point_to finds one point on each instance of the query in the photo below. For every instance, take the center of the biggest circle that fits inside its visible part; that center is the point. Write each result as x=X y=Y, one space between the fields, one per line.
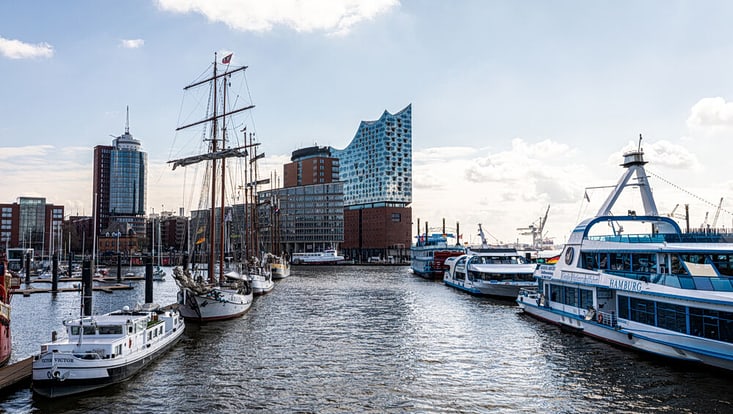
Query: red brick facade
x=378 y=228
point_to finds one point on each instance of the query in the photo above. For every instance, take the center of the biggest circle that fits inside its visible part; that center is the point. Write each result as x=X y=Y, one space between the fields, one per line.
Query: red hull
x=6 y=344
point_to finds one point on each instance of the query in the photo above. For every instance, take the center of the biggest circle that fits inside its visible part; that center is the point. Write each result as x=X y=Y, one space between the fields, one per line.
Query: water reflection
x=376 y=339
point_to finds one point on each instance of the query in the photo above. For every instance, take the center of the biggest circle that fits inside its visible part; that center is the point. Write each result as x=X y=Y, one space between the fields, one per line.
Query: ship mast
x=215 y=153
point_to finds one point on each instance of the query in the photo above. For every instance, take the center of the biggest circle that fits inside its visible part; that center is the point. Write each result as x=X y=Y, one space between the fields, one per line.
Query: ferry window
x=571 y=296
x=642 y=311
x=702 y=283
x=645 y=263
x=672 y=317
x=75 y=330
x=623 y=307
x=721 y=284
x=686 y=282
x=621 y=261
x=603 y=261
x=589 y=261
x=89 y=330
x=110 y=330
x=705 y=323
x=554 y=297
x=676 y=266
x=586 y=298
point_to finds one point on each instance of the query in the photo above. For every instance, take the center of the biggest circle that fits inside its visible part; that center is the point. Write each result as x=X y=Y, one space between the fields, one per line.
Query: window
x=396 y=217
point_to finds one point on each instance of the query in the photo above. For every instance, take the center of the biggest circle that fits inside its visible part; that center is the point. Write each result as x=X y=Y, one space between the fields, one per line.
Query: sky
x=516 y=106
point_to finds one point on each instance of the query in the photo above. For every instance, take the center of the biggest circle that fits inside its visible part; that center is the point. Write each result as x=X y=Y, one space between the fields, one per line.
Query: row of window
x=705 y=323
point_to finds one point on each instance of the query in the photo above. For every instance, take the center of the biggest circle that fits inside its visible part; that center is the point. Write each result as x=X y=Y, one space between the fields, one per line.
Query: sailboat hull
x=215 y=305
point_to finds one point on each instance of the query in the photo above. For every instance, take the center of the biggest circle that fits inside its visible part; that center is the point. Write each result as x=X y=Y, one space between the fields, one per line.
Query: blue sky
x=516 y=105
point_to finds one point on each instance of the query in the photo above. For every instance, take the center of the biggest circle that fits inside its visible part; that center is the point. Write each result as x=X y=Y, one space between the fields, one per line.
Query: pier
x=16 y=375
x=108 y=289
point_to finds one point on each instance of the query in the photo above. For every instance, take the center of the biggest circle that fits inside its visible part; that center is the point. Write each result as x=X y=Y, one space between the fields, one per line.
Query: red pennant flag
x=227 y=59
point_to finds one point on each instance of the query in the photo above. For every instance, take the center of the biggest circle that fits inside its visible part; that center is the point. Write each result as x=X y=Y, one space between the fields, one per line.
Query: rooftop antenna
x=127 y=121
x=639 y=149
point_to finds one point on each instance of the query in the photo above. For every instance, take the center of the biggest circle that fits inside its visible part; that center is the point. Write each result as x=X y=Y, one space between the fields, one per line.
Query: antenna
x=639 y=143
x=127 y=122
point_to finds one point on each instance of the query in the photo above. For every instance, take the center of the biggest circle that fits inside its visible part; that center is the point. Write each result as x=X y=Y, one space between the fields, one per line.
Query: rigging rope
x=686 y=192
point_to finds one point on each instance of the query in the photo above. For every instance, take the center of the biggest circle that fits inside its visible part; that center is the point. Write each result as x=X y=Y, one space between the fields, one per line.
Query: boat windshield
x=498 y=260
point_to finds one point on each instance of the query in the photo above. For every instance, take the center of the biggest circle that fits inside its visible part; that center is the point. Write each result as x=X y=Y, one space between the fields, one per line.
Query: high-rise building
x=376 y=171
x=120 y=174
x=312 y=165
x=307 y=215
x=31 y=223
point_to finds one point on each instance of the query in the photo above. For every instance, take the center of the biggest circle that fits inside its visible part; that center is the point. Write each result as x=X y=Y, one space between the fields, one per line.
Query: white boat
x=158 y=274
x=638 y=281
x=498 y=272
x=261 y=281
x=102 y=350
x=428 y=255
x=279 y=267
x=328 y=256
x=209 y=294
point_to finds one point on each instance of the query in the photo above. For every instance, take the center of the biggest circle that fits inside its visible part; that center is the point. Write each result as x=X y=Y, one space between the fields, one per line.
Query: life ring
x=600 y=318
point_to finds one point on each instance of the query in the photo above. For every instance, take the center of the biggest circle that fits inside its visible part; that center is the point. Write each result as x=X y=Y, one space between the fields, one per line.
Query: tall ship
x=428 y=255
x=636 y=280
x=7 y=284
x=215 y=289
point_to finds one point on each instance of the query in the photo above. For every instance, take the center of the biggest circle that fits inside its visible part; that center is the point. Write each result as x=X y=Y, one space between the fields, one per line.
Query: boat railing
x=693 y=237
x=606 y=318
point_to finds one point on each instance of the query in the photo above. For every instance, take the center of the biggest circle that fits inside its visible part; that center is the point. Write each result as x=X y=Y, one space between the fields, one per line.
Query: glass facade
x=32 y=222
x=376 y=167
x=128 y=166
x=302 y=219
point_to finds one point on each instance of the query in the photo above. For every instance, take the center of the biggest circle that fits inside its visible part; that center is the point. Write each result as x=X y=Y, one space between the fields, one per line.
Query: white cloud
x=711 y=114
x=15 y=49
x=335 y=17
x=662 y=154
x=132 y=43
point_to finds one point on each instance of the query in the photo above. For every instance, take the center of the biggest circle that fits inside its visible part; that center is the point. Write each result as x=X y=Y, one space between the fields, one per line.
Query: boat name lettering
x=57 y=359
x=578 y=277
x=546 y=271
x=630 y=285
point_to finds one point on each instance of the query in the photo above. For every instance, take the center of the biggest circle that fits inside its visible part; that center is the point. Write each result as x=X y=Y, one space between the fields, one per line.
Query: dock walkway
x=16 y=374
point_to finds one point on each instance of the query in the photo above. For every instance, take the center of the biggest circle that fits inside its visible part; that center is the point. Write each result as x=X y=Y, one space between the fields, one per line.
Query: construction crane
x=717 y=212
x=536 y=231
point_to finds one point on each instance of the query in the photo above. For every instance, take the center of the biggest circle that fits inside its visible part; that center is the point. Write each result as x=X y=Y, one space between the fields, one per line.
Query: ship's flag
x=227 y=59
x=552 y=260
x=200 y=240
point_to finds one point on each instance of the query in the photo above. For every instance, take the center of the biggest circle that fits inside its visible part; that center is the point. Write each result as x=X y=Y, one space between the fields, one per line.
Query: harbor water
x=349 y=339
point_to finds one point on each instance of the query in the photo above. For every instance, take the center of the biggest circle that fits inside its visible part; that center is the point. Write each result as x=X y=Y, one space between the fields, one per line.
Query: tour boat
x=328 y=256
x=7 y=284
x=639 y=281
x=494 y=271
x=429 y=254
x=205 y=292
x=102 y=350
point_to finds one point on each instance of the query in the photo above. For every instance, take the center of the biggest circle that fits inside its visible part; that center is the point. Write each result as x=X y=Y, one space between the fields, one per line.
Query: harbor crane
x=536 y=231
x=717 y=212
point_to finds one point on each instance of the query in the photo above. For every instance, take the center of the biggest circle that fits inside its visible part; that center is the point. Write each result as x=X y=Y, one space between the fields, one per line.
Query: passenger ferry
x=499 y=272
x=102 y=350
x=328 y=256
x=659 y=290
x=428 y=255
